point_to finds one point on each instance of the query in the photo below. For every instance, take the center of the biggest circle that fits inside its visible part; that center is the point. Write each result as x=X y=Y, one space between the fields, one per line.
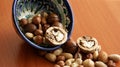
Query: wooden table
x=97 y=18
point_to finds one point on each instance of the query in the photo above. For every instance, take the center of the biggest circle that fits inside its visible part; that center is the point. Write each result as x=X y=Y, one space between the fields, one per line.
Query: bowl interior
x=29 y=8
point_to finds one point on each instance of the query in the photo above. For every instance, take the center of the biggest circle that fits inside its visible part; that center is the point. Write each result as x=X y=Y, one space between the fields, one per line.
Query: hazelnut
x=89 y=56
x=103 y=56
x=58 y=24
x=110 y=63
x=61 y=63
x=38 y=32
x=52 y=18
x=23 y=22
x=58 y=51
x=38 y=39
x=60 y=58
x=29 y=35
x=56 y=36
x=30 y=27
x=67 y=55
x=70 y=46
x=51 y=57
x=87 y=44
x=88 y=63
x=36 y=19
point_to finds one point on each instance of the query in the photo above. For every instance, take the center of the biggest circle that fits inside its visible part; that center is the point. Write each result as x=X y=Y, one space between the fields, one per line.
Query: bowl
x=29 y=8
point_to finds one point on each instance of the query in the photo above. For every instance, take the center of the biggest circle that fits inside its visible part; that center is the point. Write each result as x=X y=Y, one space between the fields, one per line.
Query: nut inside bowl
x=58 y=13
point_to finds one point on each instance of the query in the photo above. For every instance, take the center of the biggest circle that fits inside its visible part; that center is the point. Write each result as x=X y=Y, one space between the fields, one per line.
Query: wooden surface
x=97 y=18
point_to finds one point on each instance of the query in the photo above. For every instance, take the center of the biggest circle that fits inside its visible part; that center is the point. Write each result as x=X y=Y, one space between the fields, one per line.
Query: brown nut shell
x=52 y=18
x=60 y=58
x=38 y=32
x=36 y=19
x=87 y=44
x=30 y=27
x=58 y=24
x=23 y=22
x=70 y=46
x=38 y=39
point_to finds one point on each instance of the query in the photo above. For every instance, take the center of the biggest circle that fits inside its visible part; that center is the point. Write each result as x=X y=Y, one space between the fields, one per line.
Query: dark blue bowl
x=28 y=8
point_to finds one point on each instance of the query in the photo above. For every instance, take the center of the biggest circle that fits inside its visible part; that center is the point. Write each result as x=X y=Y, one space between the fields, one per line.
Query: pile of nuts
x=84 y=53
x=43 y=29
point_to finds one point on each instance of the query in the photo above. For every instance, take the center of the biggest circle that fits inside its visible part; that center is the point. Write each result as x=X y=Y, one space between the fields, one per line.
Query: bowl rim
x=30 y=42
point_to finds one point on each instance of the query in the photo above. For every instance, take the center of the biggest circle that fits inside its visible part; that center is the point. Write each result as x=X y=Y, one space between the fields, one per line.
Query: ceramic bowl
x=28 y=8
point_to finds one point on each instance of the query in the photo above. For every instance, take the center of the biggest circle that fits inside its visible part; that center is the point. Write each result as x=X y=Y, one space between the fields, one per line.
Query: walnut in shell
x=87 y=44
x=56 y=35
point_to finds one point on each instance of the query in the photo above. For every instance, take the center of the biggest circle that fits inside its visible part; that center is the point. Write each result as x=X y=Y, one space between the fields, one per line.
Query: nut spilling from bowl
x=44 y=29
x=71 y=55
x=87 y=43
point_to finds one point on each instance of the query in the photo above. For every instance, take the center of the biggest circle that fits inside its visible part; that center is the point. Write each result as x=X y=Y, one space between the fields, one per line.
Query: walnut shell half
x=87 y=43
x=56 y=35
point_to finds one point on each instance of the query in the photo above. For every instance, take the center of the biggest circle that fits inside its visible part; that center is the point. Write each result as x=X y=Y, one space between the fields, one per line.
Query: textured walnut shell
x=56 y=36
x=87 y=44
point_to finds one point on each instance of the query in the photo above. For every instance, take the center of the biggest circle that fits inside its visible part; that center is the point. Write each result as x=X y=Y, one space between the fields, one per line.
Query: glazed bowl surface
x=29 y=8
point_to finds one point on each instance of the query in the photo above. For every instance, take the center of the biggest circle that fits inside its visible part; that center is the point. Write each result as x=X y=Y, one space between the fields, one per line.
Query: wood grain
x=97 y=18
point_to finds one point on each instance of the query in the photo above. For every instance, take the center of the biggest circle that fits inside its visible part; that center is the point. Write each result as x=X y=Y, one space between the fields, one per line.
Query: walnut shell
x=56 y=36
x=87 y=44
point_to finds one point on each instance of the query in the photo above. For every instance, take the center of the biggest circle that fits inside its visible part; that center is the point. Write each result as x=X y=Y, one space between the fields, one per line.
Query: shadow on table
x=28 y=57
